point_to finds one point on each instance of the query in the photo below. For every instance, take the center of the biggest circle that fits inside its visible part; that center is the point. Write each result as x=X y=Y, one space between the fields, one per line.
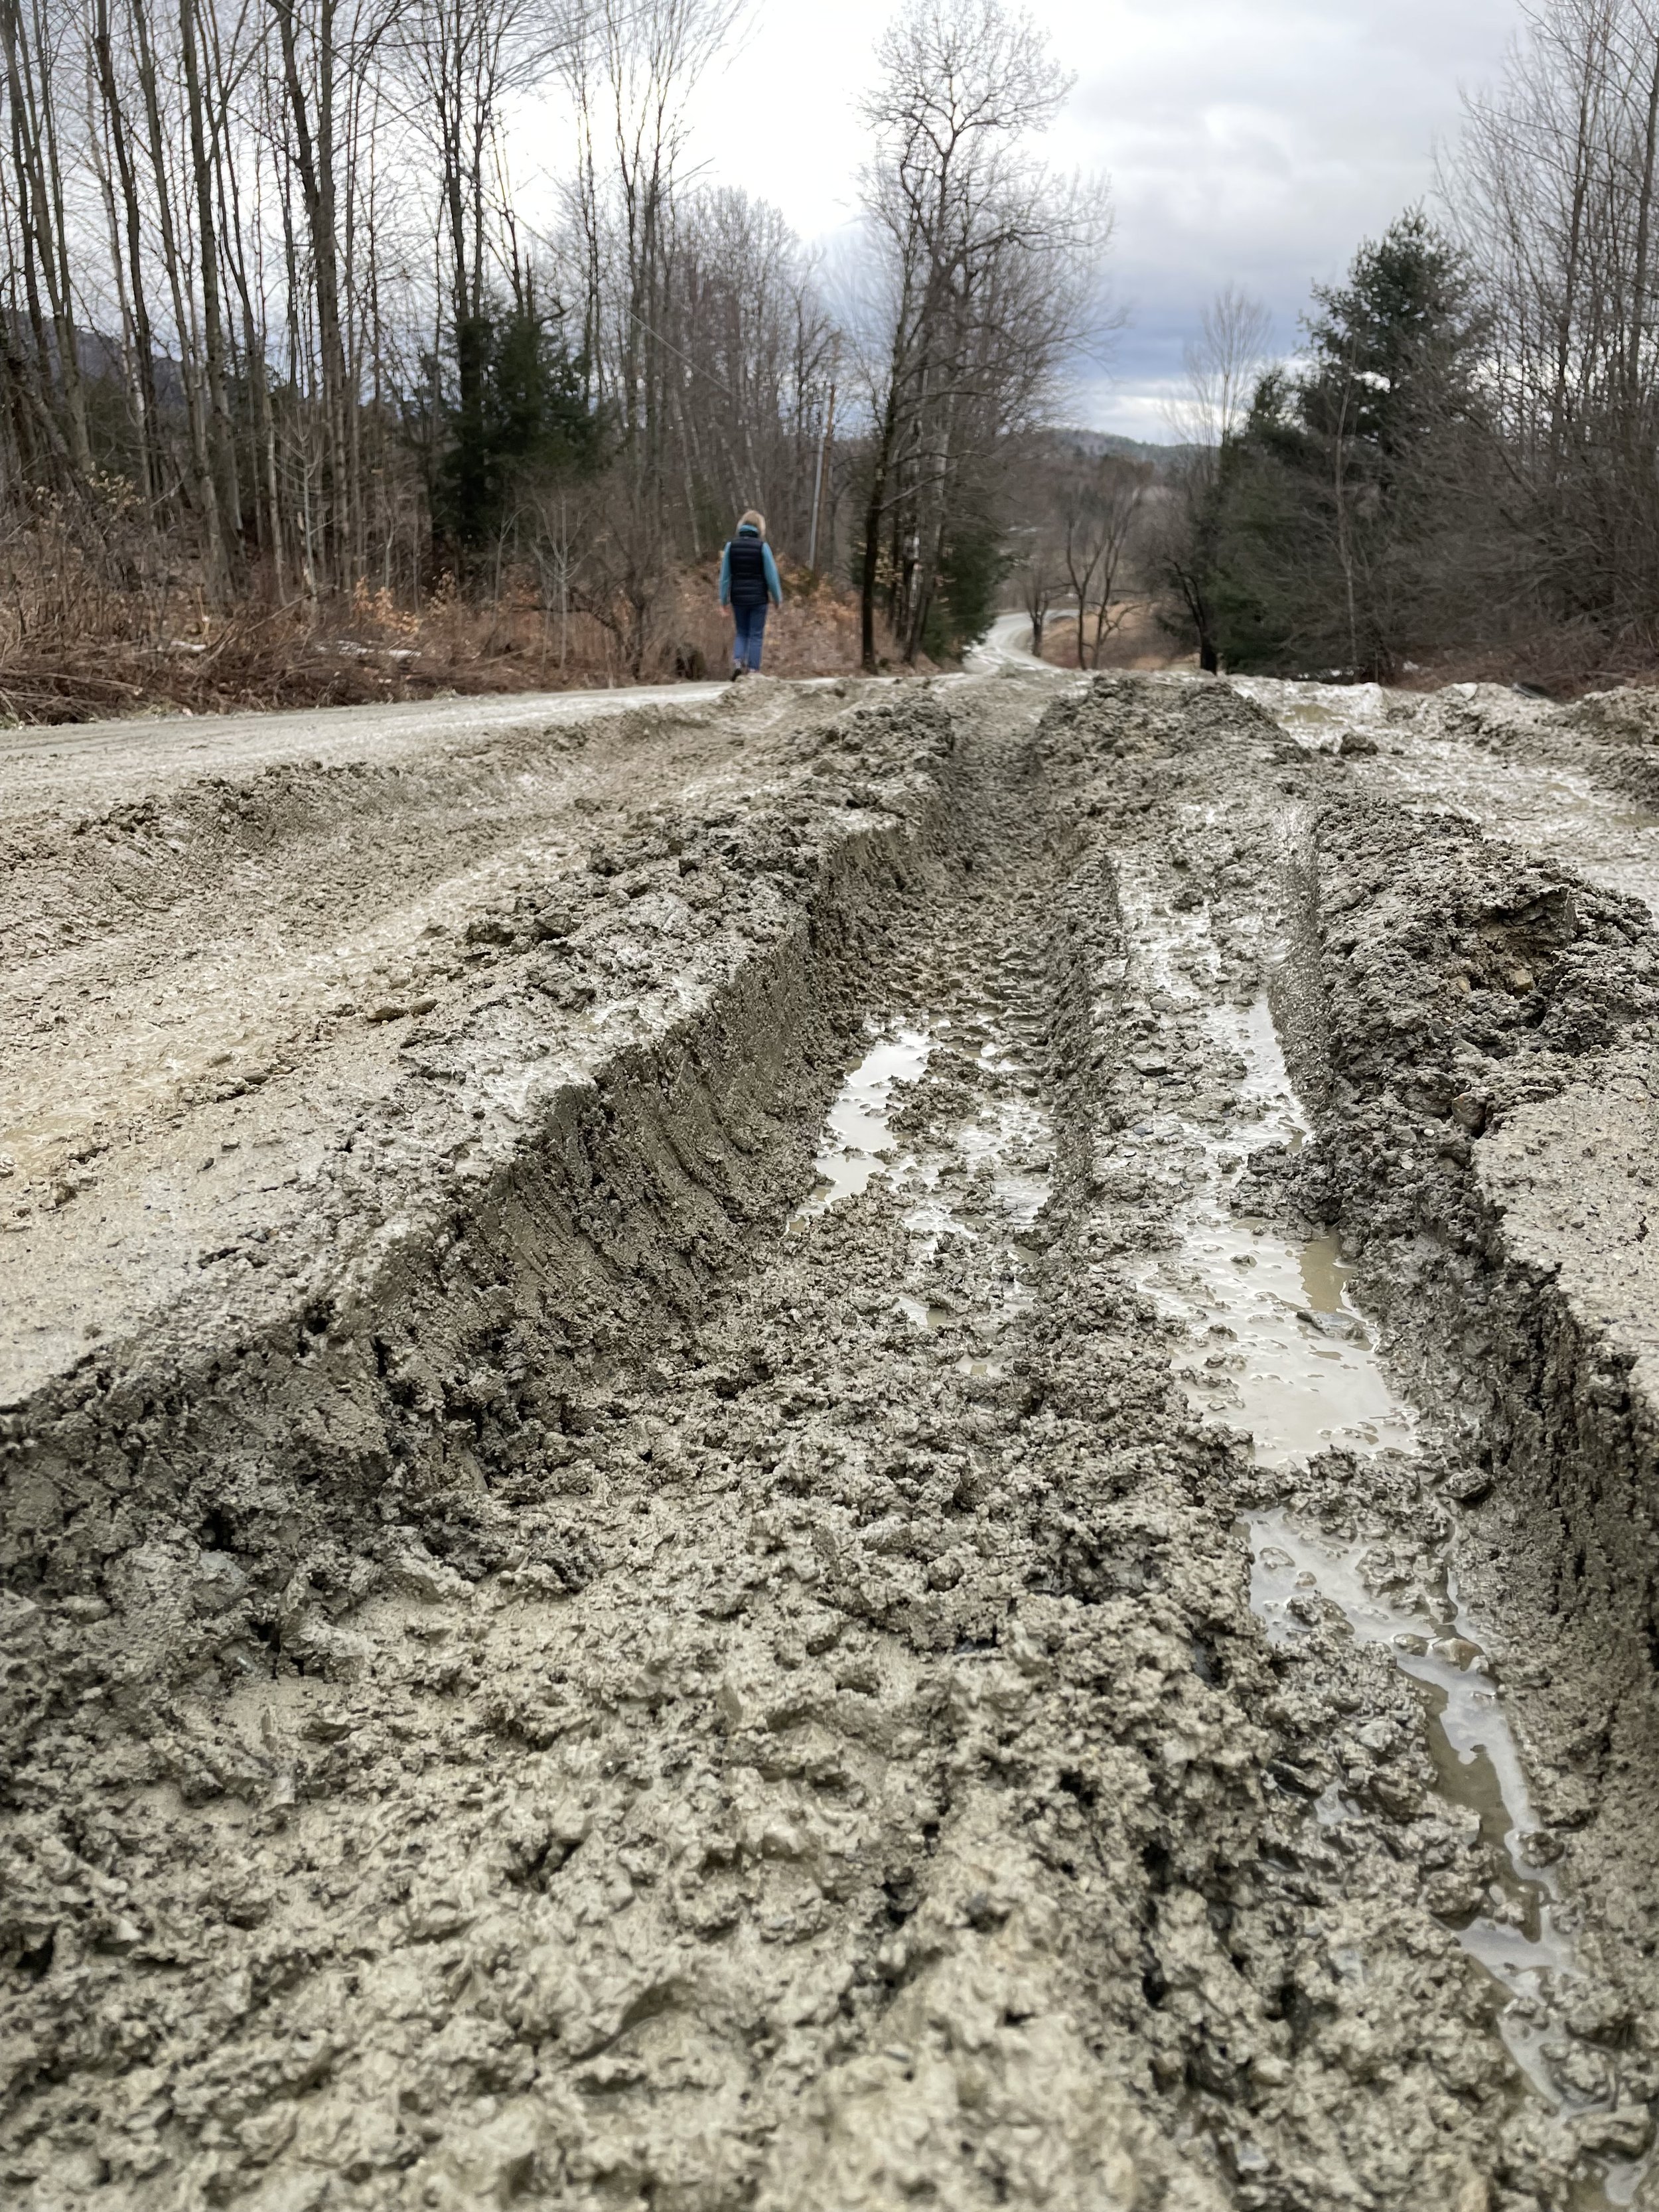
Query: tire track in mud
x=868 y=1782
x=738 y=1740
x=1510 y=1260
x=1289 y=1359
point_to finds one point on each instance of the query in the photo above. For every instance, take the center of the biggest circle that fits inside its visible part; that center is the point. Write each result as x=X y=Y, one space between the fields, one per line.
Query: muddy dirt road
x=828 y=1449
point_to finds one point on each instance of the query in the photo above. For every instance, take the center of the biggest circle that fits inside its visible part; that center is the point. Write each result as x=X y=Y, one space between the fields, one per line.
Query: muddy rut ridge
x=846 y=1446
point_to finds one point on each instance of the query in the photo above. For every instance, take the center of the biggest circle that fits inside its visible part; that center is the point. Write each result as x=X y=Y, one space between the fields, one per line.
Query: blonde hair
x=750 y=515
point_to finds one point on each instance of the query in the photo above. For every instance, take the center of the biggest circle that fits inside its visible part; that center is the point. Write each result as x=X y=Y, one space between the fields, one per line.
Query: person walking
x=750 y=587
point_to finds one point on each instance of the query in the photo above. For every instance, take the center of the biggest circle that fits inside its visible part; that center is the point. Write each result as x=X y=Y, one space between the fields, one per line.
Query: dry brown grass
x=1135 y=639
x=1564 y=660
x=69 y=652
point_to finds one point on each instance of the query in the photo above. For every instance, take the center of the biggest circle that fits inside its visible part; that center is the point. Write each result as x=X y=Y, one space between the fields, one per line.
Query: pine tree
x=524 y=417
x=1349 y=487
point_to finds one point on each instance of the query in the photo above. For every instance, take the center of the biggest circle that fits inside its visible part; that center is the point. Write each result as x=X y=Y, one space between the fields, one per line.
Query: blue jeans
x=748 y=628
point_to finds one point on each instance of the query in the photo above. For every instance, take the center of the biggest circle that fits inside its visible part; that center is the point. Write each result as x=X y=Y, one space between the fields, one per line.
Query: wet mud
x=937 y=1494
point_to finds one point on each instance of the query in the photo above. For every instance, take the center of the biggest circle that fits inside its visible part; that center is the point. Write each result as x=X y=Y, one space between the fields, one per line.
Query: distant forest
x=1456 y=471
x=288 y=354
x=281 y=330
x=1460 y=469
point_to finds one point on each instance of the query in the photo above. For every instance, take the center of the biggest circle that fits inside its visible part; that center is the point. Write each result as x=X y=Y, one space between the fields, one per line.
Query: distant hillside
x=1095 y=442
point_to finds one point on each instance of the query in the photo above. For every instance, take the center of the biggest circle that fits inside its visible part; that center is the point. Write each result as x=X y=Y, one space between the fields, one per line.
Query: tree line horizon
x=279 y=329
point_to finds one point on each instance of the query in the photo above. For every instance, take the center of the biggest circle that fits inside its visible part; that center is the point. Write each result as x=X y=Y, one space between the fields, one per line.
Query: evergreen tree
x=1347 y=492
x=1394 y=350
x=973 y=565
x=523 y=417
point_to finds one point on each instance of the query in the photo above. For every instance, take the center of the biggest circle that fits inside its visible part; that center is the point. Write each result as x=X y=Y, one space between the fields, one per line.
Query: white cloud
x=1254 y=144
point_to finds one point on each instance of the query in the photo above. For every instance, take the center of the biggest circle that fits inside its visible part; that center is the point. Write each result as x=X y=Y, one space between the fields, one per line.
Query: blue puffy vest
x=746 y=570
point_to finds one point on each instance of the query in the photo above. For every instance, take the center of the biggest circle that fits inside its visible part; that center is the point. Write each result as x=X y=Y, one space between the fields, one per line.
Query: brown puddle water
x=999 y=1151
x=1280 y=1350
x=1277 y=1349
x=857 y=1143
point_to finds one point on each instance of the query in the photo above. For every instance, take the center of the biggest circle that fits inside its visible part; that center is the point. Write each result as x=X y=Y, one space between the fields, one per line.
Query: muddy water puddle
x=1275 y=1347
x=857 y=1143
x=1296 y=1578
x=1523 y=1937
x=972 y=1190
x=1279 y=1349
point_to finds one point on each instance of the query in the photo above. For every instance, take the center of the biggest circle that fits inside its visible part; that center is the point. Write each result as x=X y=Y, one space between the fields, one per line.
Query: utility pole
x=817 y=479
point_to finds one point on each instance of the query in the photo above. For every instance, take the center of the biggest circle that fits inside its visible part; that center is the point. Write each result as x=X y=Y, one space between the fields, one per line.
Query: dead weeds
x=111 y=655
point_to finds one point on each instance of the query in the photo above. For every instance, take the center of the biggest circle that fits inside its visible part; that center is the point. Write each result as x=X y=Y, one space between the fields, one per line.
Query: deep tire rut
x=776 y=1716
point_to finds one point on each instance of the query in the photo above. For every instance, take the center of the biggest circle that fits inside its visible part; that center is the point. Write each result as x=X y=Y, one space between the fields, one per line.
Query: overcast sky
x=1258 y=143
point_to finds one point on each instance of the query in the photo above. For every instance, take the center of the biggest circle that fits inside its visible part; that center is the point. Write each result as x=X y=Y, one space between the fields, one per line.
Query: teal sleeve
x=772 y=582
x=725 y=575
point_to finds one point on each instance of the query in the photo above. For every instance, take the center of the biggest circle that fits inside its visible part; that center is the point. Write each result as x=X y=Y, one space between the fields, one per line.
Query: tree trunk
x=314 y=157
x=221 y=436
x=204 y=493
x=871 y=567
x=40 y=208
x=144 y=341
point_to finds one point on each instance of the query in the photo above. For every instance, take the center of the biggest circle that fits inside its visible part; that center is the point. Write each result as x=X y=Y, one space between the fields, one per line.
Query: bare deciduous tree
x=1099 y=507
x=985 y=271
x=1223 y=365
x=1552 y=193
x=273 y=296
